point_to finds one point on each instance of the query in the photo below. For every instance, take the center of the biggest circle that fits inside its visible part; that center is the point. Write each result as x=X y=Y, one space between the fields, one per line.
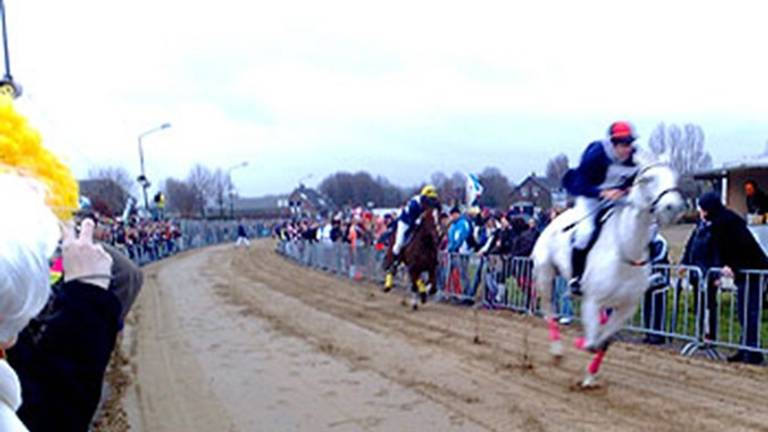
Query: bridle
x=651 y=209
x=638 y=180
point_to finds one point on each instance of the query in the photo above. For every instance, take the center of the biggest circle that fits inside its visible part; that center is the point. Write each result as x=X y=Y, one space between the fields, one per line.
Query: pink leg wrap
x=604 y=317
x=579 y=342
x=594 y=366
x=554 y=330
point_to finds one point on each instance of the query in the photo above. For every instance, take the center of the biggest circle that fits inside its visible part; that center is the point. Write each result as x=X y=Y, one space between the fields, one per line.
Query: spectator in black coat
x=738 y=251
x=525 y=237
x=655 y=299
x=701 y=253
x=61 y=356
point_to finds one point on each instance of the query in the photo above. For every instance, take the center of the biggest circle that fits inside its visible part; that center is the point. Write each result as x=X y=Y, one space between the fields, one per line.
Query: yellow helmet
x=429 y=191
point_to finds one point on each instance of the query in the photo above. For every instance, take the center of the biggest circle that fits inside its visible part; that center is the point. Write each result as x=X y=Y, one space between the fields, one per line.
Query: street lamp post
x=142 y=179
x=232 y=189
x=7 y=85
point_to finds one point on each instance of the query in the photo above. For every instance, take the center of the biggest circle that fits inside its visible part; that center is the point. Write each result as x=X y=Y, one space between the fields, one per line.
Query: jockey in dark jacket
x=426 y=200
x=406 y=221
x=605 y=173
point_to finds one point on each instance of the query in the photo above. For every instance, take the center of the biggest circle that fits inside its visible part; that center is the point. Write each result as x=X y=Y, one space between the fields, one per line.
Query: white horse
x=617 y=269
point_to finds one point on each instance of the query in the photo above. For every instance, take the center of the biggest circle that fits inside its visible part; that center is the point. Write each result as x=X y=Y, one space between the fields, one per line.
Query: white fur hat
x=29 y=233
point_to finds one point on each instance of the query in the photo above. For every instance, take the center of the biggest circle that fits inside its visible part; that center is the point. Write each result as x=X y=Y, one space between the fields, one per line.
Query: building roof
x=747 y=163
x=318 y=200
x=544 y=182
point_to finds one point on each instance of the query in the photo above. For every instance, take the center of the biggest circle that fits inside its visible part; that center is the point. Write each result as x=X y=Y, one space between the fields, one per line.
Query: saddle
x=600 y=217
x=579 y=256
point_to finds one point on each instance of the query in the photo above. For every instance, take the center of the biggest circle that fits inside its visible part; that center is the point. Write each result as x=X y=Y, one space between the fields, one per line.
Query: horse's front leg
x=590 y=319
x=619 y=315
x=544 y=277
x=390 y=270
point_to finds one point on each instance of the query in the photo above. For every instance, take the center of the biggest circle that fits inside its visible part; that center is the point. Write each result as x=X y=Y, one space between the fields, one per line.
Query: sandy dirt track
x=244 y=340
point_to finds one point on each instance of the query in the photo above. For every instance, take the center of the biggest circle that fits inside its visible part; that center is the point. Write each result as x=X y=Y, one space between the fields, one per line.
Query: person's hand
x=612 y=194
x=726 y=272
x=82 y=259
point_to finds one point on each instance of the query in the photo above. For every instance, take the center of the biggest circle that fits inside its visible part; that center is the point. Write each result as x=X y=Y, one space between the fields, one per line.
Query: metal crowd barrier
x=699 y=312
x=732 y=312
x=194 y=234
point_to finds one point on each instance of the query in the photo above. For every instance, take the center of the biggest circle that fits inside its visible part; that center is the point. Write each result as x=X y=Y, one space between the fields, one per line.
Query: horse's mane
x=644 y=158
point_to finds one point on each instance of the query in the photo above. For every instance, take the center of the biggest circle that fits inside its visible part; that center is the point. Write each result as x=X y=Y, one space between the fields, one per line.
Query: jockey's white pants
x=242 y=241
x=402 y=228
x=585 y=209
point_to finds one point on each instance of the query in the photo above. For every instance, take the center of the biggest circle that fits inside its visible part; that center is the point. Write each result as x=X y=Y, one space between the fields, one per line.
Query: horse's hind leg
x=421 y=287
x=433 y=280
x=545 y=277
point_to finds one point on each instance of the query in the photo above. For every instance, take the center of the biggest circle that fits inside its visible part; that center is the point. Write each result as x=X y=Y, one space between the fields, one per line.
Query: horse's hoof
x=589 y=382
x=556 y=349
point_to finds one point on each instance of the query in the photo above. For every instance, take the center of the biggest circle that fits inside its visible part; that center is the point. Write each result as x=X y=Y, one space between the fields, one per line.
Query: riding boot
x=578 y=262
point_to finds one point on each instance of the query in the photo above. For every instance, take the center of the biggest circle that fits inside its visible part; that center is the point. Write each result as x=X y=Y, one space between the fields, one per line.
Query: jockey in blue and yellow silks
x=605 y=173
x=424 y=201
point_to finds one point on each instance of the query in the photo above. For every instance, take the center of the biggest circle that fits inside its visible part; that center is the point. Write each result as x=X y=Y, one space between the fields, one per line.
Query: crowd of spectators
x=482 y=232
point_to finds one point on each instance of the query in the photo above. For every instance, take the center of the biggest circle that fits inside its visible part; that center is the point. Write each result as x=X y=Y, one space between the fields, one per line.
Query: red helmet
x=622 y=131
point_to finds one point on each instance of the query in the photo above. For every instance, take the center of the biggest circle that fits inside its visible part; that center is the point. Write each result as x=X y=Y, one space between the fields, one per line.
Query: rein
x=651 y=209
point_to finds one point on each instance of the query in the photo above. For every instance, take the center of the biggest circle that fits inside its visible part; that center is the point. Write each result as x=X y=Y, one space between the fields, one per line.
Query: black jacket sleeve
x=61 y=358
x=737 y=245
x=127 y=280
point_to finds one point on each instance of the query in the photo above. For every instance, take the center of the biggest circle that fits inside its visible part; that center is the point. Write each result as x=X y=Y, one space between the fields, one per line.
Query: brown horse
x=419 y=256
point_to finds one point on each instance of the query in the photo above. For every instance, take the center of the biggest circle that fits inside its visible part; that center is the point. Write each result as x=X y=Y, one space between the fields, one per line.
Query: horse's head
x=655 y=189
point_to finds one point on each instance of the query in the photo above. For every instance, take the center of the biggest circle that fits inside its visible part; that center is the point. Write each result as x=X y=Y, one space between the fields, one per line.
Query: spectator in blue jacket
x=459 y=231
x=605 y=173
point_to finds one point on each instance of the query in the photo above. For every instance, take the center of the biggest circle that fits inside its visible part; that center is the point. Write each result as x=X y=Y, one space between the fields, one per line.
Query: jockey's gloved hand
x=612 y=194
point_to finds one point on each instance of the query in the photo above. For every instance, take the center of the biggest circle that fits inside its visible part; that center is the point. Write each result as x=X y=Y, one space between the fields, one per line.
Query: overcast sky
x=400 y=89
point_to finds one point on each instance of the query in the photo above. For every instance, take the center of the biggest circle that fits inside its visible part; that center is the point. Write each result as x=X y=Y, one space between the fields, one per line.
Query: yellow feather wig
x=21 y=150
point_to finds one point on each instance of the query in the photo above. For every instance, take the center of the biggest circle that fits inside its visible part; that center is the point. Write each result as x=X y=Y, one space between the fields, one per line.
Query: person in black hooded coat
x=738 y=250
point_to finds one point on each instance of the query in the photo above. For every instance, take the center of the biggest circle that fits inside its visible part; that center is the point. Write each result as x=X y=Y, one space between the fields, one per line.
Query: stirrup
x=575 y=286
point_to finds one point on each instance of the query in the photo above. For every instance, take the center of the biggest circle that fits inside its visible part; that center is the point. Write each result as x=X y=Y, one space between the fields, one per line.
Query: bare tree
x=221 y=185
x=556 y=167
x=360 y=189
x=180 y=197
x=684 y=147
x=496 y=189
x=451 y=189
x=117 y=174
x=201 y=182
